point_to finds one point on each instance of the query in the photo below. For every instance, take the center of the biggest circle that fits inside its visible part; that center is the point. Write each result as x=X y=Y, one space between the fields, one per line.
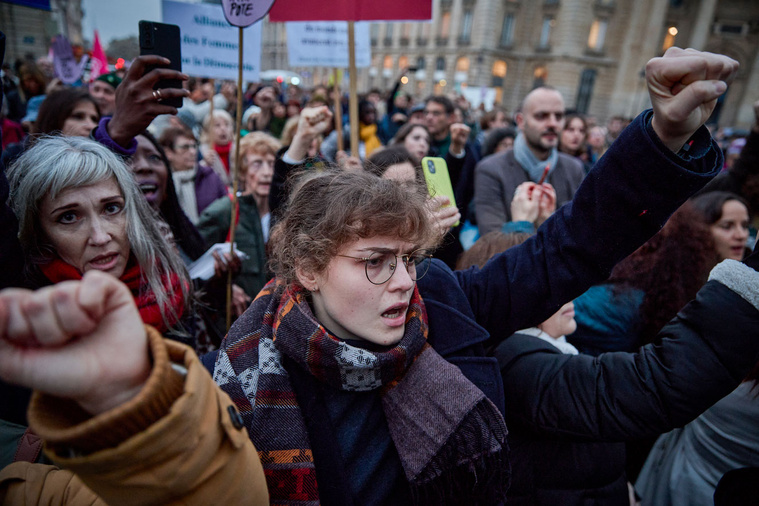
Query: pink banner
x=99 y=63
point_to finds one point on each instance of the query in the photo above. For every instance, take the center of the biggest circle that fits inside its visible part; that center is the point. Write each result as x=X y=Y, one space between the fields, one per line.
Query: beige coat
x=175 y=443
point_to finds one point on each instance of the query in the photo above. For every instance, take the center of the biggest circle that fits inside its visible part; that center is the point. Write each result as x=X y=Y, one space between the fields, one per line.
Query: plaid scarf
x=450 y=438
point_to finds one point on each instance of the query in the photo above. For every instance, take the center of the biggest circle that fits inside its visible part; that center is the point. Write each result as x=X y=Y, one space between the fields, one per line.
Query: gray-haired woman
x=79 y=209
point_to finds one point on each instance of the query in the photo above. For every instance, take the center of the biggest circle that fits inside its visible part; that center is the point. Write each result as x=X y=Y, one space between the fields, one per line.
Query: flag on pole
x=99 y=63
x=351 y=10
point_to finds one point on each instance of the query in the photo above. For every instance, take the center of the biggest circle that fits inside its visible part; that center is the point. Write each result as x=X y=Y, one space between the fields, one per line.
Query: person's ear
x=519 y=118
x=307 y=279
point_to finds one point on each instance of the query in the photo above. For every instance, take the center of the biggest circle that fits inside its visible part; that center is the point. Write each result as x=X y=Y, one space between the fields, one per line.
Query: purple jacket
x=208 y=187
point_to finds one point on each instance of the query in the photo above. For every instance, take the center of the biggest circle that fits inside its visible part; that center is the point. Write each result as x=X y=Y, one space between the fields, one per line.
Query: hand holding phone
x=136 y=104
x=163 y=40
x=438 y=180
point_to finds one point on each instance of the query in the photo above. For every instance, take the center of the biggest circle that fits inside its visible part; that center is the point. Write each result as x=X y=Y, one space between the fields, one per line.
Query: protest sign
x=67 y=69
x=325 y=44
x=477 y=95
x=350 y=10
x=244 y=13
x=210 y=46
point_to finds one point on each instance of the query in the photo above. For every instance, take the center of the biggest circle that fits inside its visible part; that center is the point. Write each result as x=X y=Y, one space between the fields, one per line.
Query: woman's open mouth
x=104 y=262
x=396 y=315
x=148 y=189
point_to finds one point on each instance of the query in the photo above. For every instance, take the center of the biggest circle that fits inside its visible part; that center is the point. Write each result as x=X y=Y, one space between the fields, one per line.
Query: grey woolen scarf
x=529 y=162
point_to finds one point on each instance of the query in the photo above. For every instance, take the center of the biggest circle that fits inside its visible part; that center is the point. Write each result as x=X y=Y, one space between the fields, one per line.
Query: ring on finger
x=157 y=95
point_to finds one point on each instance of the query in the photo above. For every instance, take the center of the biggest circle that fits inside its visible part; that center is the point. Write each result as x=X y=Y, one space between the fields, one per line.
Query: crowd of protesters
x=529 y=343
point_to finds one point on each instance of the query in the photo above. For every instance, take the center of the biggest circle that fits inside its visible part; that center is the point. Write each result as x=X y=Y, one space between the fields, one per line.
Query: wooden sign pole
x=353 y=102
x=338 y=111
x=233 y=173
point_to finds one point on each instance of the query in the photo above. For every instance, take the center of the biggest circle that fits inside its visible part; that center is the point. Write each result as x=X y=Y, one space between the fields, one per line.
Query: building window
x=423 y=33
x=374 y=31
x=539 y=77
x=669 y=38
x=585 y=90
x=499 y=68
x=597 y=35
x=440 y=63
x=405 y=34
x=387 y=66
x=545 y=32
x=462 y=70
x=466 y=26
x=499 y=73
x=507 y=30
x=420 y=63
x=445 y=24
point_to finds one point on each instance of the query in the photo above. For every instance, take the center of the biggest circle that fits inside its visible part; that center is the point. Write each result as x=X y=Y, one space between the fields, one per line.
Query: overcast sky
x=116 y=19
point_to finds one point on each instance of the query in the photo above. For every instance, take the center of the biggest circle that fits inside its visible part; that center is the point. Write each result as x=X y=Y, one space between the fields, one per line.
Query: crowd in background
x=510 y=172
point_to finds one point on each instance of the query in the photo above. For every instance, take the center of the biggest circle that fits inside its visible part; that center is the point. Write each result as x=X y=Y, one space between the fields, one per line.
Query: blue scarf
x=531 y=165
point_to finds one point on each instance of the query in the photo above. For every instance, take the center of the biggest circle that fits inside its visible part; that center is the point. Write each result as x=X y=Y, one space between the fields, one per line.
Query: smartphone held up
x=163 y=40
x=438 y=180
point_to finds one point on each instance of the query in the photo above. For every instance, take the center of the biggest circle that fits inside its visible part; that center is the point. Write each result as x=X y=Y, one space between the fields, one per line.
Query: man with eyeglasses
x=533 y=158
x=450 y=141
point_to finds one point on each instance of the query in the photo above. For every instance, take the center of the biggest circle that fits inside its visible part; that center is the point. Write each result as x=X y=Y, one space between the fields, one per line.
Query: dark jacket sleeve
x=700 y=357
x=214 y=221
x=461 y=171
x=278 y=192
x=11 y=256
x=624 y=200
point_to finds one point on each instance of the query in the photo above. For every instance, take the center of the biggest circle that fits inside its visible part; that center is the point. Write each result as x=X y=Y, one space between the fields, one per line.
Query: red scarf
x=223 y=152
x=58 y=270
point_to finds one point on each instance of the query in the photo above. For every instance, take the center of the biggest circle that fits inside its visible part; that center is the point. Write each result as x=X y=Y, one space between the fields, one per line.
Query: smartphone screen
x=438 y=180
x=163 y=40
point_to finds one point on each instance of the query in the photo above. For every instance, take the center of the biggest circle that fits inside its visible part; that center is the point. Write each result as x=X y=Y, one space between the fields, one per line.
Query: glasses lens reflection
x=381 y=266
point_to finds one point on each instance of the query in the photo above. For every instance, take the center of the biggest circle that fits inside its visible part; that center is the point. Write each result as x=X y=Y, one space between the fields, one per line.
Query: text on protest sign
x=244 y=13
x=210 y=44
x=325 y=44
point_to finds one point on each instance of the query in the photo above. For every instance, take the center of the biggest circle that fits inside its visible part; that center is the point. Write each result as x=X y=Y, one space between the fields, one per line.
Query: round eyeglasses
x=380 y=265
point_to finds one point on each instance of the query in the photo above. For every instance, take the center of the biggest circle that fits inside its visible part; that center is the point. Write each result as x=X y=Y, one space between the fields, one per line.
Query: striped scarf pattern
x=445 y=430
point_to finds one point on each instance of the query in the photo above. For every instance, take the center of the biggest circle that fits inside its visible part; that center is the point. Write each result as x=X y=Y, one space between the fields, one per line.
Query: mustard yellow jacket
x=176 y=442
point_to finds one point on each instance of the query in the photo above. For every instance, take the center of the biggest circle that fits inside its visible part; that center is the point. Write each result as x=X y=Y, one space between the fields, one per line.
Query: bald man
x=540 y=121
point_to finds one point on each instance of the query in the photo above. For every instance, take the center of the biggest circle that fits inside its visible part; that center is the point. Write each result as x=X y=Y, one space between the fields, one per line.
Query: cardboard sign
x=325 y=44
x=210 y=44
x=244 y=13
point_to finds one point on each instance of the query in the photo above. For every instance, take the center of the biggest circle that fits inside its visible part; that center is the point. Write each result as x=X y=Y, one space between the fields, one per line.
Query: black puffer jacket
x=568 y=414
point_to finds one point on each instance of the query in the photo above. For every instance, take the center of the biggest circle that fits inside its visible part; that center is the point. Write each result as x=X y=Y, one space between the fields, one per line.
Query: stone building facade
x=593 y=51
x=29 y=31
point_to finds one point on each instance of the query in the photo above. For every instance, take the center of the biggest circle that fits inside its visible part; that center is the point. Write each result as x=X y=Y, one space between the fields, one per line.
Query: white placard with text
x=325 y=44
x=210 y=44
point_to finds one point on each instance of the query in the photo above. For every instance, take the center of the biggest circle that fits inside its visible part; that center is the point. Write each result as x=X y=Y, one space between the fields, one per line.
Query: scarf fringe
x=481 y=478
x=483 y=481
